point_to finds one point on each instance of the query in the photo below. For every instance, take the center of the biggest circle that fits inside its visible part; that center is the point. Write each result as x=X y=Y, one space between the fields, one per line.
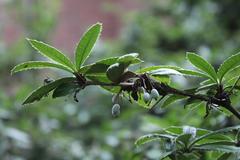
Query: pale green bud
x=146 y=97
x=116 y=110
x=154 y=94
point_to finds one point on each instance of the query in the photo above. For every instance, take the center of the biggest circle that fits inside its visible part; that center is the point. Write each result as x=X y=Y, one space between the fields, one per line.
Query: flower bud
x=190 y=130
x=141 y=89
x=146 y=97
x=154 y=94
x=115 y=110
x=114 y=98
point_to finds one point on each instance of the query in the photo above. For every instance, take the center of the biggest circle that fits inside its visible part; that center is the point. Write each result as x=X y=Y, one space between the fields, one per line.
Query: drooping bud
x=154 y=94
x=146 y=97
x=115 y=110
x=141 y=89
x=114 y=98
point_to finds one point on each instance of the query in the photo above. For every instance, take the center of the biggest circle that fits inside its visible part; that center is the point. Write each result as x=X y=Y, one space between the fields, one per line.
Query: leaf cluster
x=188 y=145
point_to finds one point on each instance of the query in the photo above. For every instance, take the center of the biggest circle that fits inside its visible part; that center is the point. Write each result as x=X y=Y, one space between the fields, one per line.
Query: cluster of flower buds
x=147 y=97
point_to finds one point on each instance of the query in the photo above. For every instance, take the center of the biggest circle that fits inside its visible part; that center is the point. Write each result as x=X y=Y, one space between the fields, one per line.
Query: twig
x=161 y=87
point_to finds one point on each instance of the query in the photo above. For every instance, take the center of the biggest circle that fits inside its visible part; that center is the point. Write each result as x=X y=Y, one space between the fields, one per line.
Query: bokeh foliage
x=63 y=129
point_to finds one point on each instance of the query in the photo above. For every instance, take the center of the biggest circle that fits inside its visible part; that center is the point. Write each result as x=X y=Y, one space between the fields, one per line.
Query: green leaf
x=231 y=74
x=86 y=44
x=38 y=65
x=51 y=53
x=218 y=147
x=165 y=154
x=202 y=65
x=233 y=83
x=224 y=130
x=206 y=87
x=162 y=79
x=128 y=59
x=102 y=78
x=192 y=103
x=99 y=78
x=151 y=137
x=227 y=156
x=229 y=143
x=228 y=65
x=101 y=66
x=206 y=82
x=216 y=138
x=98 y=67
x=65 y=89
x=37 y=94
x=176 y=130
x=238 y=136
x=187 y=156
x=184 y=138
x=171 y=99
x=185 y=72
x=165 y=71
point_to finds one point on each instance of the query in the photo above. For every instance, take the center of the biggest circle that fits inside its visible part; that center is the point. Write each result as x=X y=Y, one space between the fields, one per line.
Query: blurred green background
x=161 y=31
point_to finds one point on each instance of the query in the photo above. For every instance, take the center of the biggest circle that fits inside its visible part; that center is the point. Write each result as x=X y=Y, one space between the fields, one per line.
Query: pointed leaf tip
x=229 y=64
x=51 y=53
x=202 y=65
x=38 y=65
x=86 y=44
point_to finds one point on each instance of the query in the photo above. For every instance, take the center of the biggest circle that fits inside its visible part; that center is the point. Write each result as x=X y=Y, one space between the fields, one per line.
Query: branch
x=228 y=106
x=123 y=84
x=161 y=87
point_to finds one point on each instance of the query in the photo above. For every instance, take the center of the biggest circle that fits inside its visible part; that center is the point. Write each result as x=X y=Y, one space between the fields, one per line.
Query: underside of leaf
x=39 y=93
